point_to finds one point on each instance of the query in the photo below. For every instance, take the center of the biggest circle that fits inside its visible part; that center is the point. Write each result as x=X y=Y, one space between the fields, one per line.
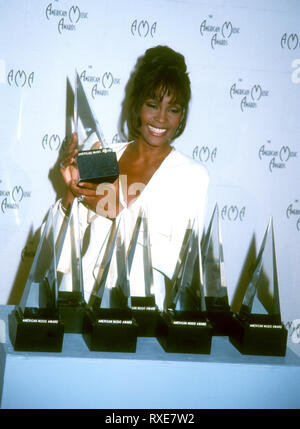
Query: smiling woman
x=160 y=118
x=160 y=72
x=169 y=186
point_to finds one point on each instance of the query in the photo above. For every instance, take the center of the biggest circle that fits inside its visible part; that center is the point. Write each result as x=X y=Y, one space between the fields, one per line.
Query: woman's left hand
x=87 y=194
x=101 y=198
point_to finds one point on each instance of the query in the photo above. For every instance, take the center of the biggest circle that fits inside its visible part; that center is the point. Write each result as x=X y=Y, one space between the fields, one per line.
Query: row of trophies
x=112 y=319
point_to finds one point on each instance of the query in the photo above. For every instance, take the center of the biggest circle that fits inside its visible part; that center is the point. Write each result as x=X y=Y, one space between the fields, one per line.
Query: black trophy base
x=146 y=314
x=110 y=330
x=256 y=334
x=184 y=332
x=36 y=330
x=71 y=307
x=220 y=316
x=97 y=166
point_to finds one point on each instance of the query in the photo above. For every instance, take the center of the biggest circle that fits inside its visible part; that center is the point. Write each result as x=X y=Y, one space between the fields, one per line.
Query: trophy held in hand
x=94 y=165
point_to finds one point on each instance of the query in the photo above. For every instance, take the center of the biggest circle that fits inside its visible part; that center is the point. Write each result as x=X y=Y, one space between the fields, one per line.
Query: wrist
x=66 y=203
x=65 y=210
x=67 y=199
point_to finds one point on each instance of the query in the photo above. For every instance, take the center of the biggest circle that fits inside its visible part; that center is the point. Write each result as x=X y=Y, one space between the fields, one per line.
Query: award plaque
x=184 y=327
x=144 y=308
x=216 y=298
x=258 y=329
x=108 y=322
x=99 y=164
x=71 y=303
x=35 y=324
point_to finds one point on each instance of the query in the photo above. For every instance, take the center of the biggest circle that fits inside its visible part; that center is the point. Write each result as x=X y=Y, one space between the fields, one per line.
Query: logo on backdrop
x=219 y=34
x=143 y=28
x=204 y=153
x=233 y=213
x=294 y=330
x=290 y=41
x=249 y=97
x=11 y=199
x=296 y=73
x=67 y=19
x=276 y=159
x=293 y=212
x=51 y=141
x=20 y=78
x=101 y=83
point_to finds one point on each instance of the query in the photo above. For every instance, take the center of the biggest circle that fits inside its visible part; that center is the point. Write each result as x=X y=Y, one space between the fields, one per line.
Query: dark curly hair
x=158 y=72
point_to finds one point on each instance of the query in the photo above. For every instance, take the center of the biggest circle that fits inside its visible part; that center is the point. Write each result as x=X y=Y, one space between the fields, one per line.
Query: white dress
x=175 y=194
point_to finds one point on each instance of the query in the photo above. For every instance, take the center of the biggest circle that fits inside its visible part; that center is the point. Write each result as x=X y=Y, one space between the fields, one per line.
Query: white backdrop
x=244 y=125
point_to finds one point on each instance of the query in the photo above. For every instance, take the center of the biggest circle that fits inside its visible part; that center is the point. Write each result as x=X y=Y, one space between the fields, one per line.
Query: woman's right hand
x=69 y=170
x=70 y=174
x=68 y=164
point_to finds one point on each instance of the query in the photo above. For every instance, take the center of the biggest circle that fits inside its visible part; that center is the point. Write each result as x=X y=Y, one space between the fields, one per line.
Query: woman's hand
x=69 y=170
x=88 y=193
x=68 y=164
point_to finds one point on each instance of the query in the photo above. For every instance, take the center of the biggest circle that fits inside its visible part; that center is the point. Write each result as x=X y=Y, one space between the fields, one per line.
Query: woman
x=153 y=175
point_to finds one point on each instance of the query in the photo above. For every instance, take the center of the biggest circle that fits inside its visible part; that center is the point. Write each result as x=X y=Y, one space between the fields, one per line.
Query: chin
x=158 y=141
x=159 y=144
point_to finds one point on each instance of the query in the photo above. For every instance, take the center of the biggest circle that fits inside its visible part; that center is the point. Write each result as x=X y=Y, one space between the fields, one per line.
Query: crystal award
x=35 y=323
x=216 y=297
x=183 y=326
x=258 y=328
x=71 y=303
x=108 y=323
x=96 y=162
x=71 y=113
x=144 y=308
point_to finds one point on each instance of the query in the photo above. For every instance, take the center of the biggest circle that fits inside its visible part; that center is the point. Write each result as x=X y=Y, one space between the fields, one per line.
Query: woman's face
x=159 y=120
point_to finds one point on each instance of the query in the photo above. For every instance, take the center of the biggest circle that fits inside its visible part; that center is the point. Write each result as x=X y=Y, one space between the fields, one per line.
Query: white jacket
x=175 y=194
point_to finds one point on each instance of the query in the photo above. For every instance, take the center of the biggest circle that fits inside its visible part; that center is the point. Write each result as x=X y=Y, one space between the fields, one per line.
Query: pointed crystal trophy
x=144 y=308
x=108 y=323
x=96 y=162
x=71 y=303
x=35 y=323
x=215 y=287
x=258 y=328
x=71 y=110
x=184 y=327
